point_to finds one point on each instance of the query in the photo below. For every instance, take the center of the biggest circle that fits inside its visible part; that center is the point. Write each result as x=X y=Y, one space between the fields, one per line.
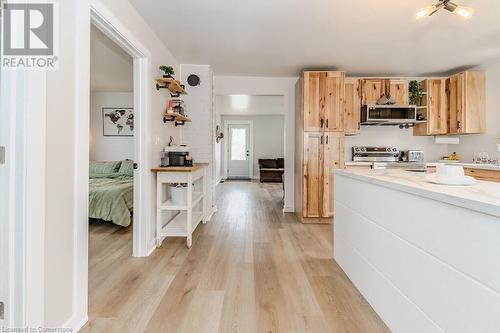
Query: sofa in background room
x=271 y=170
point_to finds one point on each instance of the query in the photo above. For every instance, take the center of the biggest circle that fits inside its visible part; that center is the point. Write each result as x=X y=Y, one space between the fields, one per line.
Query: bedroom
x=111 y=144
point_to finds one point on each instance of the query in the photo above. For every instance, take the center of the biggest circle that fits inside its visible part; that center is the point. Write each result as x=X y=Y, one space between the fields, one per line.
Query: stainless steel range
x=390 y=158
x=375 y=154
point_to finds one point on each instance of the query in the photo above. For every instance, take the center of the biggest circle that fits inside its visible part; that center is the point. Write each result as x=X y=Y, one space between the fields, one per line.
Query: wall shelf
x=171 y=84
x=177 y=118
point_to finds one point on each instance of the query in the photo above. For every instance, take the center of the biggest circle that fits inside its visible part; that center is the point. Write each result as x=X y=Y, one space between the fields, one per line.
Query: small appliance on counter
x=412 y=156
x=176 y=156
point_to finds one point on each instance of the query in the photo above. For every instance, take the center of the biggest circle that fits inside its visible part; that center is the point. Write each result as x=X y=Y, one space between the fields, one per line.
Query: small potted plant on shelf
x=168 y=70
x=415 y=92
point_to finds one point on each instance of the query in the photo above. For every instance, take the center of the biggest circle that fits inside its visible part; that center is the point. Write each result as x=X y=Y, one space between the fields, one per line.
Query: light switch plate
x=2 y=155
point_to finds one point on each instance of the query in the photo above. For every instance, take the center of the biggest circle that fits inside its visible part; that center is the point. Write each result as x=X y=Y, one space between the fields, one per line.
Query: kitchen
x=416 y=204
x=421 y=246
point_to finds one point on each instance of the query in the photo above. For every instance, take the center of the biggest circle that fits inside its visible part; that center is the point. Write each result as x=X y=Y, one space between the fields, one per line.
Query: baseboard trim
x=317 y=220
x=209 y=216
x=288 y=210
x=152 y=247
x=76 y=324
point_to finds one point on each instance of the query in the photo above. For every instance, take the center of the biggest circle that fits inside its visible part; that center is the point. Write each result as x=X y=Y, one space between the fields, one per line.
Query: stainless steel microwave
x=388 y=114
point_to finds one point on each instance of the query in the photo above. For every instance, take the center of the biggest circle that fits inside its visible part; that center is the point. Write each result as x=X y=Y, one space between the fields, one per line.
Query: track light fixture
x=460 y=11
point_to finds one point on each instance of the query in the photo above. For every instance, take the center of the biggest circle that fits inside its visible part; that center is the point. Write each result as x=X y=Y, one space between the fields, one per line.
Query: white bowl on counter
x=450 y=175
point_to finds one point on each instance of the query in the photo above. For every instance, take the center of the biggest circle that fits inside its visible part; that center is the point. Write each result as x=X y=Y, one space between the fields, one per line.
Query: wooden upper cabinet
x=312 y=114
x=373 y=89
x=433 y=107
x=332 y=101
x=333 y=158
x=465 y=93
x=352 y=106
x=399 y=90
x=323 y=101
x=313 y=175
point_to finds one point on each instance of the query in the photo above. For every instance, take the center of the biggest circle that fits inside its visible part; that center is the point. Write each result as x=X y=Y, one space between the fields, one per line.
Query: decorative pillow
x=104 y=167
x=127 y=168
x=267 y=163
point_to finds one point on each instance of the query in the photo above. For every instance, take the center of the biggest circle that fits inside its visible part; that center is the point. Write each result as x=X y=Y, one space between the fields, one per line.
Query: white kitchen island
x=425 y=256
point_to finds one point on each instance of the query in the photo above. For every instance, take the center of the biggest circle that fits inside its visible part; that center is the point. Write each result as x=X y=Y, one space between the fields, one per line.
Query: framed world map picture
x=118 y=121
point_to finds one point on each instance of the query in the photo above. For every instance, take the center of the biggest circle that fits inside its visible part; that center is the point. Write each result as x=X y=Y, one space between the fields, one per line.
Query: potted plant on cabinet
x=415 y=92
x=168 y=70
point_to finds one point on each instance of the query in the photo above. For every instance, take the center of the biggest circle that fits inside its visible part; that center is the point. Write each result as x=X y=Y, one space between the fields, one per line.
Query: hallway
x=251 y=269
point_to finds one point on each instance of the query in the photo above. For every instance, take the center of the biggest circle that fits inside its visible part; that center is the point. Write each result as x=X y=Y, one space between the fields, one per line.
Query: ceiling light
x=427 y=11
x=460 y=11
x=464 y=12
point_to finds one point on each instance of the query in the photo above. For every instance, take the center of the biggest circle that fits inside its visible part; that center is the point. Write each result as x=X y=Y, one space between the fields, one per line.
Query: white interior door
x=238 y=164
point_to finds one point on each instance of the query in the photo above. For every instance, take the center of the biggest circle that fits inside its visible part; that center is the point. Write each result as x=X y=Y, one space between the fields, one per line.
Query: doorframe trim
x=98 y=15
x=251 y=153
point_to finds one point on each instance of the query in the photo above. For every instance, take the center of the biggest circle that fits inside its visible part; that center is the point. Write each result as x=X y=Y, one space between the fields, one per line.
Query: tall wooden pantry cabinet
x=319 y=145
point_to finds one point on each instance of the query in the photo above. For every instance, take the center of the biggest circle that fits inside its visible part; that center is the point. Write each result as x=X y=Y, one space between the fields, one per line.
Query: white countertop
x=357 y=163
x=433 y=164
x=469 y=165
x=483 y=197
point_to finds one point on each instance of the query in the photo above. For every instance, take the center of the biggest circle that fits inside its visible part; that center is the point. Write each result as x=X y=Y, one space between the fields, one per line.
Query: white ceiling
x=282 y=37
x=111 y=68
x=245 y=105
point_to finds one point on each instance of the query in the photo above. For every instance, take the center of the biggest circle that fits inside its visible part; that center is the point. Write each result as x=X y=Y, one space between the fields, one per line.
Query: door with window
x=238 y=151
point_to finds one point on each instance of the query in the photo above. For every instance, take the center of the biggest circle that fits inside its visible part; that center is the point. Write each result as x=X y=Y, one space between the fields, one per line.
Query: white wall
x=67 y=107
x=199 y=134
x=268 y=138
x=247 y=85
x=109 y=148
x=393 y=136
x=470 y=144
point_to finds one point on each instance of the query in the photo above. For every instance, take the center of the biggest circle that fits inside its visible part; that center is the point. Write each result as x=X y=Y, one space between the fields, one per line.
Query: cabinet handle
x=327 y=123
x=459 y=124
x=322 y=139
x=327 y=139
x=321 y=121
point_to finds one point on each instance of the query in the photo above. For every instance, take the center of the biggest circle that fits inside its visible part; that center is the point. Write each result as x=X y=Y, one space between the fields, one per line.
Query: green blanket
x=110 y=197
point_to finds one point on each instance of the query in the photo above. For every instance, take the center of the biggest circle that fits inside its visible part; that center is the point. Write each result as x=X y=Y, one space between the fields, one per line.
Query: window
x=238 y=144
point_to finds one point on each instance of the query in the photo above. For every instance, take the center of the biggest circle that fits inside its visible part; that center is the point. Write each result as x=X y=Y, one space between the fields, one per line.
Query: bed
x=111 y=191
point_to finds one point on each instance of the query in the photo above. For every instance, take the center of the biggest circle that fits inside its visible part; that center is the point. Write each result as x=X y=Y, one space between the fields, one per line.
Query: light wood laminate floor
x=251 y=269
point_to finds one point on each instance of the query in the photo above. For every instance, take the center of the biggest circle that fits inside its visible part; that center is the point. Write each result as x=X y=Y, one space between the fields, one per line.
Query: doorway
x=250 y=142
x=239 y=149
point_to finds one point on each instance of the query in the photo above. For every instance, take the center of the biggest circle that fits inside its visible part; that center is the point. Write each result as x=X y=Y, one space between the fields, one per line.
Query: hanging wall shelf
x=175 y=87
x=177 y=118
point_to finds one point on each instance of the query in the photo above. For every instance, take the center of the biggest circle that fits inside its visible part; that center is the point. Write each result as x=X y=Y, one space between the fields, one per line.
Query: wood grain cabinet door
x=455 y=95
x=352 y=106
x=313 y=175
x=333 y=158
x=437 y=107
x=371 y=91
x=332 y=101
x=399 y=90
x=312 y=109
x=474 y=111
